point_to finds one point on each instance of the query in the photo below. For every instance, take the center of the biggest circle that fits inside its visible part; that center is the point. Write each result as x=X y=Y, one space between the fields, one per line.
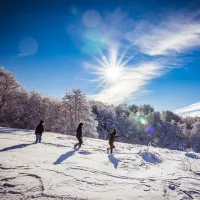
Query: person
x=38 y=132
x=112 y=137
x=79 y=135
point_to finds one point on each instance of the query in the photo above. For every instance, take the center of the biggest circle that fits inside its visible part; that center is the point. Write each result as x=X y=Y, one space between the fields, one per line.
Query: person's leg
x=76 y=143
x=36 y=138
x=111 y=148
x=40 y=138
x=80 y=141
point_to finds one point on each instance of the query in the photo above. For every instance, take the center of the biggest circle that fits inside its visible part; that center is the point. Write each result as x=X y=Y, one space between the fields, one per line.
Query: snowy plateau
x=53 y=169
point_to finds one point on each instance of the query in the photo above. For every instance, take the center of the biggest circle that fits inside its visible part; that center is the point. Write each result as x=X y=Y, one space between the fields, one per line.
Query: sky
x=122 y=51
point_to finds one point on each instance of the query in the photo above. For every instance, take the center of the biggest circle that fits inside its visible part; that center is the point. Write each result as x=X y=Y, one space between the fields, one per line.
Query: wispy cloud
x=168 y=38
x=192 y=110
x=174 y=34
x=131 y=81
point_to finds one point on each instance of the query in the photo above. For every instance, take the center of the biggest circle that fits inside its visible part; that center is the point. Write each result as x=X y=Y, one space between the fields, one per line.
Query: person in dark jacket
x=79 y=135
x=38 y=132
x=112 y=137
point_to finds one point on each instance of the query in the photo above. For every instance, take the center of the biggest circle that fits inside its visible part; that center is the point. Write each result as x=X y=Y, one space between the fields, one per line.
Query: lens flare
x=94 y=42
x=149 y=129
x=143 y=120
x=90 y=48
x=74 y=9
x=28 y=46
x=91 y=18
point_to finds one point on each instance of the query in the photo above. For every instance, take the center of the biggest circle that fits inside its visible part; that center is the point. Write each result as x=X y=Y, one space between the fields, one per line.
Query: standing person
x=79 y=135
x=38 y=132
x=112 y=137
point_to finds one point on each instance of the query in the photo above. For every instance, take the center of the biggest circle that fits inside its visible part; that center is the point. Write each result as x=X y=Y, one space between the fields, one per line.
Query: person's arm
x=81 y=132
x=42 y=129
x=116 y=135
x=36 y=130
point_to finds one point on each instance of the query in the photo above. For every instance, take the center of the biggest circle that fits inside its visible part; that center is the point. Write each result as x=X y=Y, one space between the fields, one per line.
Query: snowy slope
x=54 y=170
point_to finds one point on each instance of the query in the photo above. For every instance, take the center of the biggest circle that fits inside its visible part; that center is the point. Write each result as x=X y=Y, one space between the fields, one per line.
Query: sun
x=110 y=67
x=112 y=73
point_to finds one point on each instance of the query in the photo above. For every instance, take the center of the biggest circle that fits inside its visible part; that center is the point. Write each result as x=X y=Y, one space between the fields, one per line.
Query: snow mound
x=150 y=157
x=192 y=155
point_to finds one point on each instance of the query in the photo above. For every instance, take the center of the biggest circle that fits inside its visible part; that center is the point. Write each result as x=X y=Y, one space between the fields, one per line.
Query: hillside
x=54 y=170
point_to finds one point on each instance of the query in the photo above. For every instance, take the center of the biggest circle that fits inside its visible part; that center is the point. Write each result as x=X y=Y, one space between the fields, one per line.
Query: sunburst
x=111 y=67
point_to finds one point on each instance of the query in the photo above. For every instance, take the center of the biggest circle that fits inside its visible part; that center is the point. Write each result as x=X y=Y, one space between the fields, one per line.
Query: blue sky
x=114 y=51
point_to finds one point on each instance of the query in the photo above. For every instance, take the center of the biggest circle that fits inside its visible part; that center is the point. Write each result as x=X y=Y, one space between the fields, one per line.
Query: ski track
x=54 y=170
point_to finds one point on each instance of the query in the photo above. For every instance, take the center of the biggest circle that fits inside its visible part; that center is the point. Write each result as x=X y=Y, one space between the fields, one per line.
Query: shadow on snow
x=16 y=147
x=85 y=152
x=113 y=160
x=65 y=156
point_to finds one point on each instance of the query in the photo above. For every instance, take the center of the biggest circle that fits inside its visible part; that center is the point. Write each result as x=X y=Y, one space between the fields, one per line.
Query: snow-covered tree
x=106 y=117
x=11 y=99
x=141 y=124
x=52 y=114
x=196 y=129
x=168 y=116
x=77 y=109
x=133 y=108
x=146 y=109
x=9 y=89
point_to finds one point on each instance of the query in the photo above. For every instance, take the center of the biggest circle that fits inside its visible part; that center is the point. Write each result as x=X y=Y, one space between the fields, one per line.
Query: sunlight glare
x=112 y=73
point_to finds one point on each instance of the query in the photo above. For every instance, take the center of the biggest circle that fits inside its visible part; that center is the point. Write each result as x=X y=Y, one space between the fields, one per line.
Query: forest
x=136 y=124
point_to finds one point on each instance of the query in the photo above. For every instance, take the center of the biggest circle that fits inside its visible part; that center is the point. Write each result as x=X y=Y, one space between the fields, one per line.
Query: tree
x=168 y=116
x=195 y=129
x=106 y=117
x=34 y=110
x=9 y=89
x=11 y=99
x=77 y=109
x=133 y=108
x=146 y=109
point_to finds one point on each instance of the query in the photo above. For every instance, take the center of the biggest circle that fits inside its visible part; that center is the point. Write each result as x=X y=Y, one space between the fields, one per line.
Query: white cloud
x=191 y=110
x=171 y=36
x=192 y=114
x=132 y=80
x=174 y=34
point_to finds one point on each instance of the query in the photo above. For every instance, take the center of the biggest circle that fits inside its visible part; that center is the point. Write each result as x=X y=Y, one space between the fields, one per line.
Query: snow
x=150 y=157
x=53 y=169
x=192 y=155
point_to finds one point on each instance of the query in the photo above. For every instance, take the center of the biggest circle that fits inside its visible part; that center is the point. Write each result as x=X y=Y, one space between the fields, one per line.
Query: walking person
x=38 y=132
x=79 y=135
x=112 y=137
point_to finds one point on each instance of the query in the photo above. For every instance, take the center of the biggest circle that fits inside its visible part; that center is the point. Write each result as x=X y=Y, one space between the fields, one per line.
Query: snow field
x=54 y=170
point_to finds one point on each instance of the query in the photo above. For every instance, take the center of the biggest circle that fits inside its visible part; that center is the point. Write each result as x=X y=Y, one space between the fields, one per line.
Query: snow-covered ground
x=54 y=170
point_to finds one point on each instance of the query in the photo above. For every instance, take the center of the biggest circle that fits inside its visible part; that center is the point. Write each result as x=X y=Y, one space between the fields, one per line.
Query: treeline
x=135 y=124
